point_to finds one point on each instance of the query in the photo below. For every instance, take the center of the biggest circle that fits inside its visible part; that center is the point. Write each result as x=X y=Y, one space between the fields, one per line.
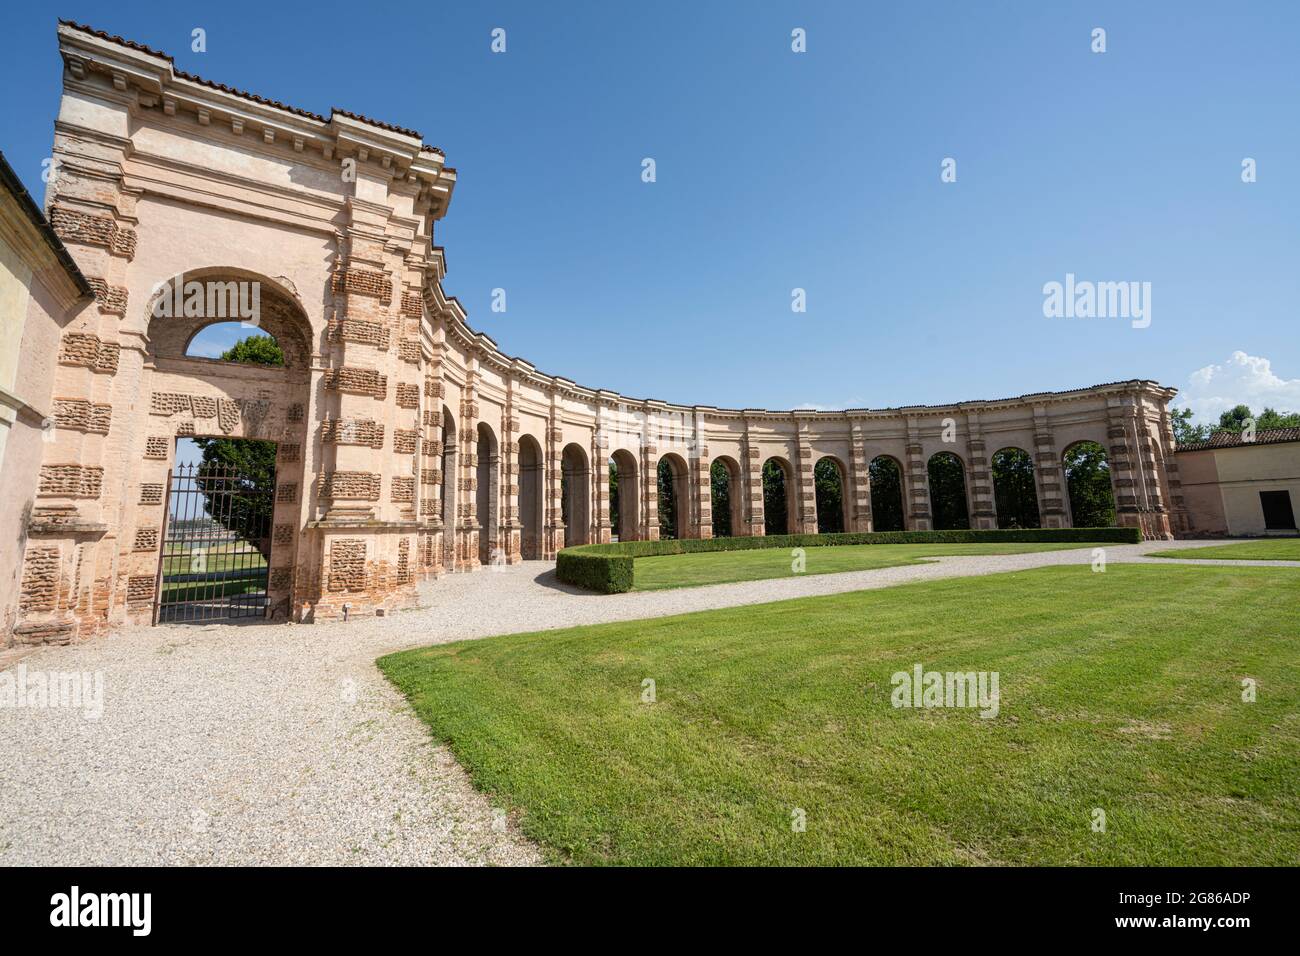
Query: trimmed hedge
x=607 y=568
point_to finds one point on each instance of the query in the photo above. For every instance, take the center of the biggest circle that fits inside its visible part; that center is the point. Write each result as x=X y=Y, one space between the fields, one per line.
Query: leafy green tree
x=720 y=482
x=613 y=495
x=1014 y=494
x=1087 y=476
x=829 y=487
x=1234 y=420
x=246 y=513
x=1270 y=419
x=886 y=494
x=774 y=514
x=948 y=492
x=667 y=502
x=1184 y=431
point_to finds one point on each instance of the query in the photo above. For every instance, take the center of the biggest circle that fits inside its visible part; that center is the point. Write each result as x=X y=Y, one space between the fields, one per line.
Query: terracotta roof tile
x=1235 y=440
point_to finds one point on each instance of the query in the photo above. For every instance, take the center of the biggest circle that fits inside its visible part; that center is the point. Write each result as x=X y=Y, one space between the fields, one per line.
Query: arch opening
x=778 y=483
x=449 y=513
x=575 y=495
x=487 y=496
x=624 y=503
x=886 y=476
x=1015 y=495
x=674 y=503
x=725 y=497
x=832 y=503
x=1088 y=482
x=531 y=507
x=947 y=476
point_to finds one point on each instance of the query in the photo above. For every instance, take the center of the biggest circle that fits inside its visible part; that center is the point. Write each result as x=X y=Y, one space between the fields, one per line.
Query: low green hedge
x=608 y=567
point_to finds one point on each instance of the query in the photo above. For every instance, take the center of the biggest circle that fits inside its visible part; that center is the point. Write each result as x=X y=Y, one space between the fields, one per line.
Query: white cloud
x=1241 y=380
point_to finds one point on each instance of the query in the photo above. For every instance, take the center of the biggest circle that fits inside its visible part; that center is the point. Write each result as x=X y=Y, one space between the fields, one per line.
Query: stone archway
x=531 y=497
x=726 y=497
x=830 y=480
x=674 y=497
x=575 y=495
x=624 y=495
x=487 y=496
x=232 y=406
x=779 y=497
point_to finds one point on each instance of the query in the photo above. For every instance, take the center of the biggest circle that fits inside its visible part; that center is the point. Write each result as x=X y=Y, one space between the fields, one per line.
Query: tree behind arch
x=1087 y=477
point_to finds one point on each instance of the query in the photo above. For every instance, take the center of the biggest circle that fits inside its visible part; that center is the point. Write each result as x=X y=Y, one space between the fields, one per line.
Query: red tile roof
x=1234 y=439
x=244 y=94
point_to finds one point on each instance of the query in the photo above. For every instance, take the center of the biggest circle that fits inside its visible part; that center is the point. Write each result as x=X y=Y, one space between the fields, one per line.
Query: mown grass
x=1269 y=549
x=721 y=567
x=1120 y=691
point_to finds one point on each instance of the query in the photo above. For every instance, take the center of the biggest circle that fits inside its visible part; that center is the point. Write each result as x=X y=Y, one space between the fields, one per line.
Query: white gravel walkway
x=284 y=744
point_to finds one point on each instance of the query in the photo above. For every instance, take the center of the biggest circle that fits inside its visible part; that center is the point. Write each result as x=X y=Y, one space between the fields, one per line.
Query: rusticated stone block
x=286 y=493
x=89 y=351
x=350 y=485
x=352 y=431
x=405 y=440
x=71 y=481
x=39 y=590
x=140 y=589
x=361 y=282
x=408 y=350
x=357 y=381
x=151 y=493
x=433 y=388
x=157 y=446
x=282 y=535
x=110 y=299
x=72 y=225
x=281 y=579
x=83 y=416
x=408 y=396
x=411 y=305
x=289 y=452
x=356 y=330
x=347 y=564
x=403 y=489
x=294 y=413
x=146 y=539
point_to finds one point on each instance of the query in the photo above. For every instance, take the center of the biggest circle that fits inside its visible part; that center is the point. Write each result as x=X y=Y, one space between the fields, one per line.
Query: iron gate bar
x=222 y=515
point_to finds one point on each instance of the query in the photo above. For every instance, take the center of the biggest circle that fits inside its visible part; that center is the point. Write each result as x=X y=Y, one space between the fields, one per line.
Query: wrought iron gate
x=216 y=545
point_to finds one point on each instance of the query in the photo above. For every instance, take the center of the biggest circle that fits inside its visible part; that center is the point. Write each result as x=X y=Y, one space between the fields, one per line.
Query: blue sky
x=819 y=171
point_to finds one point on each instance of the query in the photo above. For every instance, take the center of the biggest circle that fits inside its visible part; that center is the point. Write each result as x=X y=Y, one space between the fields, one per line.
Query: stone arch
x=1089 y=482
x=531 y=497
x=625 y=500
x=575 y=495
x=219 y=294
x=674 y=497
x=1015 y=492
x=487 y=495
x=885 y=474
x=449 y=483
x=726 y=497
x=779 y=491
x=946 y=474
x=830 y=481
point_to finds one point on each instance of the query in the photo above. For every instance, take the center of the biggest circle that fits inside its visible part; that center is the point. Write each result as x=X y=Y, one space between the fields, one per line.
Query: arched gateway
x=409 y=445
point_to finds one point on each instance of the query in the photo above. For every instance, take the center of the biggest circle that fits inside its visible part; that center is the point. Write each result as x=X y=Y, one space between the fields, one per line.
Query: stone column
x=859 y=482
x=467 y=527
x=1049 y=474
x=600 y=526
x=511 y=535
x=1180 y=522
x=753 y=485
x=431 y=448
x=650 y=479
x=983 y=507
x=806 y=497
x=701 y=481
x=916 y=477
x=553 y=531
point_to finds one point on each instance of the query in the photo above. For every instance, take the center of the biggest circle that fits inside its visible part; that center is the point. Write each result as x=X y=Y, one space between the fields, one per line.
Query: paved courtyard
x=283 y=744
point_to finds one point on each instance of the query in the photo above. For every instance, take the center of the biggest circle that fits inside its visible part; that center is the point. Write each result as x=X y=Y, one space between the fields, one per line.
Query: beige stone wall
x=411 y=446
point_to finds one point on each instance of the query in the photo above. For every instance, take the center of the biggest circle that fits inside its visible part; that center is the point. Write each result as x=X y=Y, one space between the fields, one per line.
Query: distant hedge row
x=608 y=567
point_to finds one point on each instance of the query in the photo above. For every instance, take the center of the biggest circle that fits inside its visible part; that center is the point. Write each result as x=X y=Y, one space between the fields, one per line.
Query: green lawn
x=1269 y=549
x=1120 y=691
x=720 y=567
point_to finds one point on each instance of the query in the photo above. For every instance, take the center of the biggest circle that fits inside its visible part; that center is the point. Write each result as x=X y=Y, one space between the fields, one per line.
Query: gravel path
x=284 y=745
